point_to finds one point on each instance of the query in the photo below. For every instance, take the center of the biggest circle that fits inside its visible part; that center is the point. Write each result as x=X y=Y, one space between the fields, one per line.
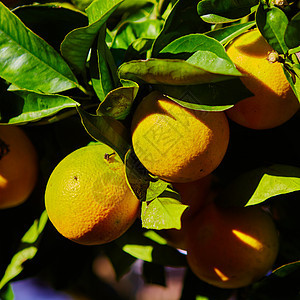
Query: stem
x=159 y=7
x=84 y=90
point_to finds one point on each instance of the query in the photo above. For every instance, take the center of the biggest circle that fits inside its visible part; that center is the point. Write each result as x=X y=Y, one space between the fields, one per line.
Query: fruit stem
x=273 y=57
x=107 y=155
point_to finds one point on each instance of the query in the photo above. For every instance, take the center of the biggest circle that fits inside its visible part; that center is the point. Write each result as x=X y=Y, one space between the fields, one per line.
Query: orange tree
x=72 y=73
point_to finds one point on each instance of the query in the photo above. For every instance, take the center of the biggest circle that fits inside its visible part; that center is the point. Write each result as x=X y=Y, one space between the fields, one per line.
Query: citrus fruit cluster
x=226 y=247
x=89 y=200
x=18 y=166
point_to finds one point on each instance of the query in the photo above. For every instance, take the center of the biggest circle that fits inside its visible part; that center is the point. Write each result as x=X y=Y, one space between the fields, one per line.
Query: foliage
x=73 y=72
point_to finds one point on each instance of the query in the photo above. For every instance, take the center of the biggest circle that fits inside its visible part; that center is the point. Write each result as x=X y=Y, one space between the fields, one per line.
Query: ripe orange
x=18 y=166
x=232 y=247
x=175 y=143
x=87 y=197
x=274 y=101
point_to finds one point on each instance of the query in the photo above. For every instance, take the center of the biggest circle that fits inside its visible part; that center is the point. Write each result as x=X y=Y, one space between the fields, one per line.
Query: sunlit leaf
x=169 y=71
x=156 y=188
x=154 y=236
x=260 y=184
x=207 y=53
x=128 y=32
x=136 y=243
x=24 y=55
x=34 y=232
x=164 y=212
x=226 y=34
x=134 y=37
x=276 y=180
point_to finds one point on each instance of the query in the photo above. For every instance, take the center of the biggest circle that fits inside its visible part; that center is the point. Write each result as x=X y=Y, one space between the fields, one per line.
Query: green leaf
x=78 y=42
x=136 y=243
x=228 y=33
x=276 y=180
x=291 y=36
x=52 y=22
x=208 y=97
x=293 y=76
x=207 y=53
x=103 y=68
x=283 y=283
x=168 y=71
x=139 y=251
x=27 y=249
x=137 y=175
x=156 y=188
x=121 y=261
x=137 y=10
x=154 y=274
x=118 y=102
x=182 y=20
x=128 y=32
x=138 y=49
x=24 y=55
x=164 y=212
x=202 y=298
x=34 y=232
x=287 y=269
x=154 y=236
x=258 y=185
x=106 y=130
x=7 y=293
x=223 y=11
x=272 y=23
x=144 y=186
x=23 y=106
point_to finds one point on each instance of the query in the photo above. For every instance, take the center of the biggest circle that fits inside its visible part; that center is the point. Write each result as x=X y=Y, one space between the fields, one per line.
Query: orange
x=232 y=247
x=18 y=166
x=274 y=101
x=175 y=143
x=196 y=194
x=87 y=197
